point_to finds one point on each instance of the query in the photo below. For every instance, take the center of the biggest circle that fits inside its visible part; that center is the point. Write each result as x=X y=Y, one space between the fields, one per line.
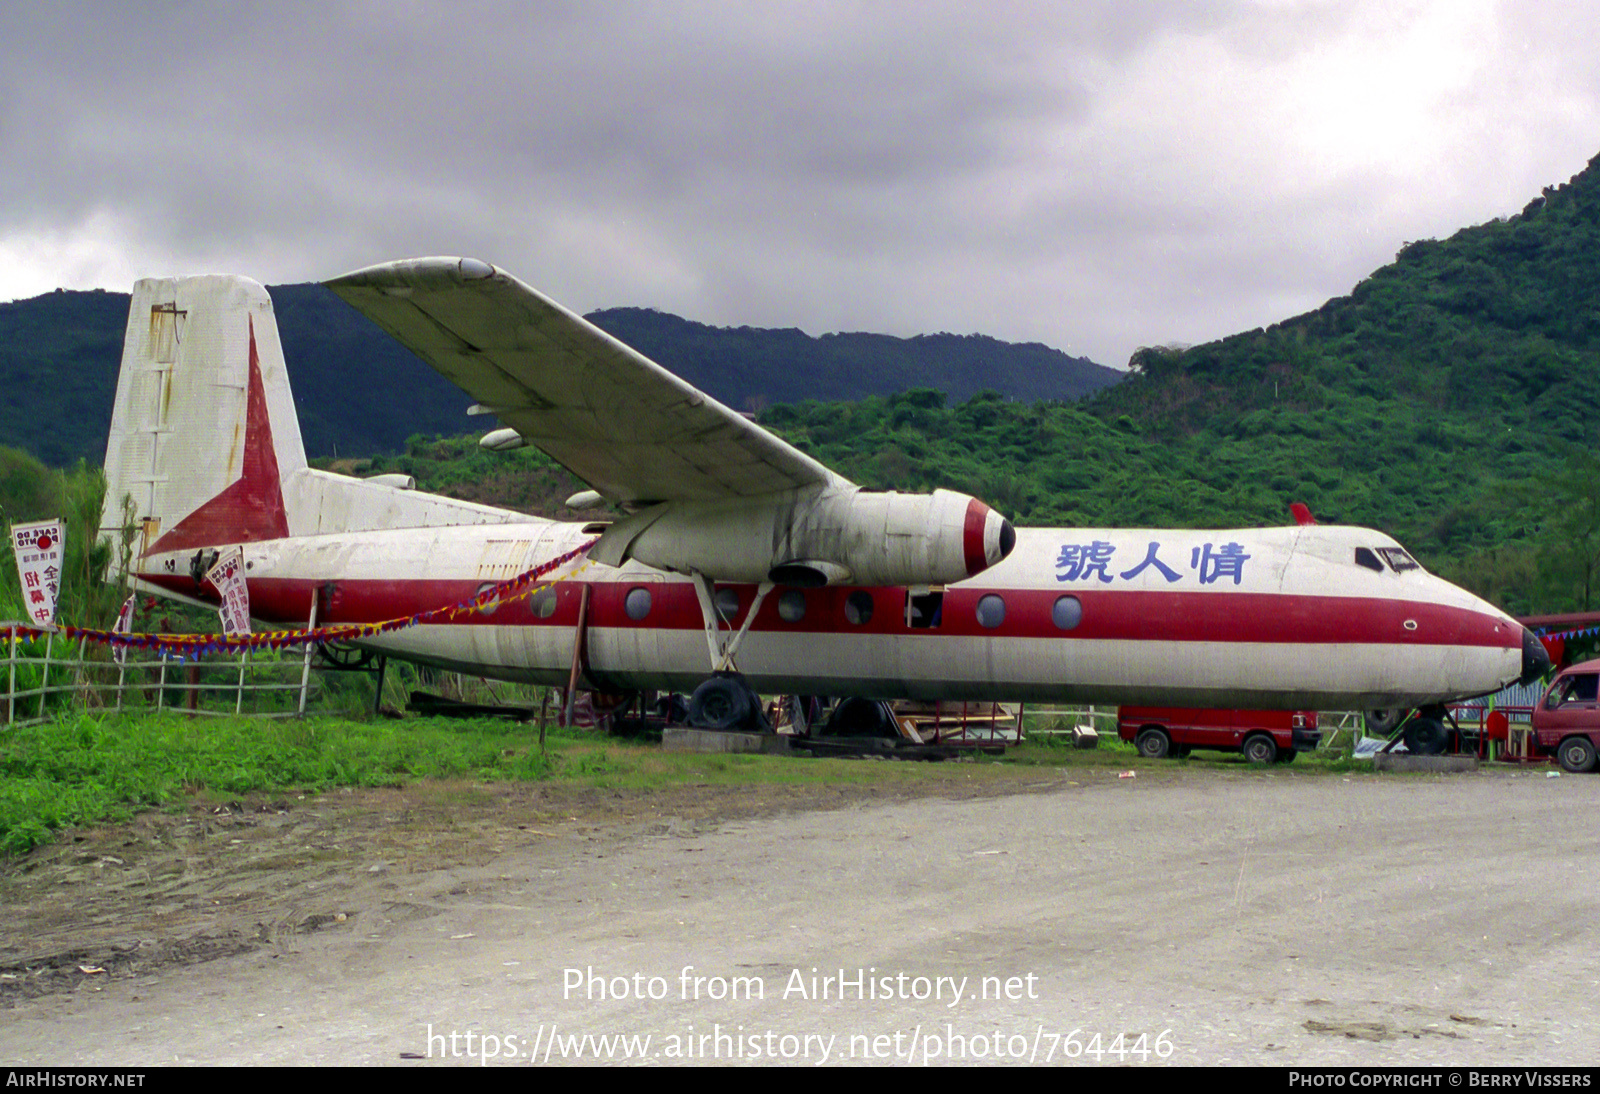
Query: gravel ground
x=1195 y=916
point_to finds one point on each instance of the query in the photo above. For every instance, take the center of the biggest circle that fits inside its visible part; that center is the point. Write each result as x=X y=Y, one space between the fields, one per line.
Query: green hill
x=360 y=392
x=1446 y=400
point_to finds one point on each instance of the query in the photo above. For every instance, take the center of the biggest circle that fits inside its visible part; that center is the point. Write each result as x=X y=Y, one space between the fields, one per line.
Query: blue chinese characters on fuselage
x=1093 y=561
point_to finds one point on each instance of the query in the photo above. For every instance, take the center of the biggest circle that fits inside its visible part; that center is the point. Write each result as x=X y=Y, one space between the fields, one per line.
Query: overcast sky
x=1094 y=176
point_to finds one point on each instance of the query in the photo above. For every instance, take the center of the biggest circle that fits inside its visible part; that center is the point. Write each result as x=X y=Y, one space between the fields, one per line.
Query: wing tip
x=405 y=275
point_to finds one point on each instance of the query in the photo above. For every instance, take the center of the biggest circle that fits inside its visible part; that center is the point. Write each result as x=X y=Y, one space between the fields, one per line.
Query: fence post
x=161 y=687
x=11 y=692
x=44 y=681
x=238 y=695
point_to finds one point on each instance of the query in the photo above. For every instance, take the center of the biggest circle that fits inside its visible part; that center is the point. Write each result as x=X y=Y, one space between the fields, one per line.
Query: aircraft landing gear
x=725 y=700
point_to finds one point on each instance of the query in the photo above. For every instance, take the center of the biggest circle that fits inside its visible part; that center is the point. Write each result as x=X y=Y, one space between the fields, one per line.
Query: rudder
x=203 y=430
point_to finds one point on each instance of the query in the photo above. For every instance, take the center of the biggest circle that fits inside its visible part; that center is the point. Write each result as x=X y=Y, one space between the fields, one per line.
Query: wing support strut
x=722 y=648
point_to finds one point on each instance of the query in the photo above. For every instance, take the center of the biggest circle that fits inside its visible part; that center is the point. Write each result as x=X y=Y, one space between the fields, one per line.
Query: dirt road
x=1196 y=916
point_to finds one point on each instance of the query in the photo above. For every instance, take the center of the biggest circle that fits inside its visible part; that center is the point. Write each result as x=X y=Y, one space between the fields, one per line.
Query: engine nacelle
x=828 y=536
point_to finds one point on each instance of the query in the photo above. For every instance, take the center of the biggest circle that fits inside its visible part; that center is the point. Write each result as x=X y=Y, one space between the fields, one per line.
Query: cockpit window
x=1365 y=557
x=1397 y=558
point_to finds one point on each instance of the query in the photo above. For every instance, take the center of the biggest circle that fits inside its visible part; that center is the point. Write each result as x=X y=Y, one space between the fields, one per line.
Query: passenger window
x=727 y=602
x=924 y=611
x=638 y=603
x=792 y=606
x=858 y=608
x=543 y=603
x=1067 y=612
x=991 y=611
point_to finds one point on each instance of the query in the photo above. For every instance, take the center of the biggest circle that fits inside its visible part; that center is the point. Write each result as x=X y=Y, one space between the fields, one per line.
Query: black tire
x=1576 y=754
x=1153 y=743
x=862 y=718
x=673 y=709
x=1426 y=737
x=722 y=702
x=1260 y=749
x=1384 y=722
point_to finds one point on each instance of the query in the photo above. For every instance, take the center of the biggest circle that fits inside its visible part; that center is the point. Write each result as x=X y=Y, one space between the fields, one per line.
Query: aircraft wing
x=610 y=415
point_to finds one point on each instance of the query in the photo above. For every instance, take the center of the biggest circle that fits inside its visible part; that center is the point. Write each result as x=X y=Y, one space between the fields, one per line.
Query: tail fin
x=205 y=445
x=203 y=431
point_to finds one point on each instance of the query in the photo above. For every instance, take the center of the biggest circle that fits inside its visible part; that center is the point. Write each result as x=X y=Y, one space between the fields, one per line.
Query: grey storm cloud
x=1095 y=176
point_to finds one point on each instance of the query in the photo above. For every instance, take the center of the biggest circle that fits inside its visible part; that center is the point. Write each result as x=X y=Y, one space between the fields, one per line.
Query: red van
x=1264 y=736
x=1567 y=720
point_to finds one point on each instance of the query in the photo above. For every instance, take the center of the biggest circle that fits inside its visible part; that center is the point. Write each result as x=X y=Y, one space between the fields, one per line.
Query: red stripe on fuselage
x=1124 y=615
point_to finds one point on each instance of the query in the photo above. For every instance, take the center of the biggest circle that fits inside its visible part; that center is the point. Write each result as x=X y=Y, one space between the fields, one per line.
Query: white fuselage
x=1274 y=617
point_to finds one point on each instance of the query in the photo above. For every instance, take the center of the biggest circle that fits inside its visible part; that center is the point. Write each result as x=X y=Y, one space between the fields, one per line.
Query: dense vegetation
x=1448 y=399
x=359 y=392
x=749 y=367
x=30 y=491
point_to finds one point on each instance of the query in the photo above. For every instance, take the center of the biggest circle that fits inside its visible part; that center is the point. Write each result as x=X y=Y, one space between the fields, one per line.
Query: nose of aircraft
x=1535 y=659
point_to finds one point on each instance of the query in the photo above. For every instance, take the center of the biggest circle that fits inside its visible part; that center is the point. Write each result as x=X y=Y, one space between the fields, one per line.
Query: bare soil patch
x=215 y=879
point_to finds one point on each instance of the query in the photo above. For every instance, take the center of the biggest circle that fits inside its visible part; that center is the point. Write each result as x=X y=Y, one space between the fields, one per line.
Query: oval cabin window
x=638 y=603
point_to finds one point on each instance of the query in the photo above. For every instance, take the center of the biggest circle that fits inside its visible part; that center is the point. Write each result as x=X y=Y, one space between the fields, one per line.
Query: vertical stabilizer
x=203 y=431
x=205 y=447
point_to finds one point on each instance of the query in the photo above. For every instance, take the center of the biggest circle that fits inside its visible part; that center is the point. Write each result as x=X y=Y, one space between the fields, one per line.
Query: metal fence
x=37 y=680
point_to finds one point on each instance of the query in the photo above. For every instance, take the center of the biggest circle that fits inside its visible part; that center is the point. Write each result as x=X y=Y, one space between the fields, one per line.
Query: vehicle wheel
x=1260 y=749
x=1576 y=755
x=1426 y=737
x=1383 y=722
x=1153 y=743
x=1287 y=756
x=722 y=702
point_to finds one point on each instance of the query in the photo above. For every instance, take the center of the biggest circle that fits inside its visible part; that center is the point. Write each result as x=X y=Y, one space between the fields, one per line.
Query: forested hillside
x=751 y=367
x=1447 y=400
x=360 y=391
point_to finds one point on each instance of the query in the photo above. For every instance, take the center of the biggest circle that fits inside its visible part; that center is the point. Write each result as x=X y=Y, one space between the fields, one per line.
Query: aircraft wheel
x=1426 y=737
x=861 y=718
x=1576 y=755
x=673 y=709
x=1383 y=722
x=722 y=702
x=1260 y=749
x=1153 y=743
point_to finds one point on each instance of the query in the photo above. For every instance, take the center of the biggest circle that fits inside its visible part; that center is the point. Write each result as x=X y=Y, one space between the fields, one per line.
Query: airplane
x=739 y=565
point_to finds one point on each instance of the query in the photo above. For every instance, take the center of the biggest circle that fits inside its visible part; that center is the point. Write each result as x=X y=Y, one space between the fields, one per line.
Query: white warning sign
x=39 y=556
x=227 y=574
